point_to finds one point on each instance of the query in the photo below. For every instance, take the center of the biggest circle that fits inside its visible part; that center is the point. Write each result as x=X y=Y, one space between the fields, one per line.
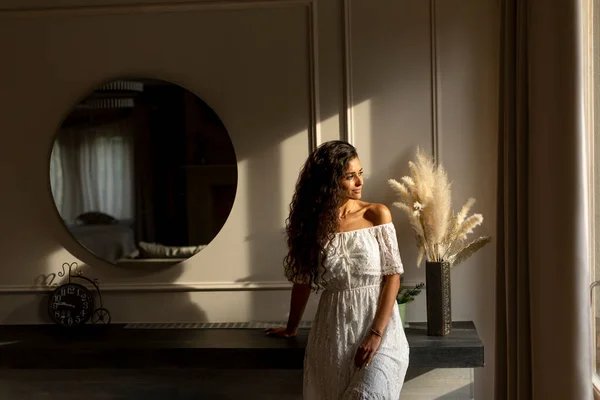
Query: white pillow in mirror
x=157 y=250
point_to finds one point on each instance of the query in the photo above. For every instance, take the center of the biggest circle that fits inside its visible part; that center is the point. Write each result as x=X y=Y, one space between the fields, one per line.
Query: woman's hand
x=366 y=351
x=281 y=331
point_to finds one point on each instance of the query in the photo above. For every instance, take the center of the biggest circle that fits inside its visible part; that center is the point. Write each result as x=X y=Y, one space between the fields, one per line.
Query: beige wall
x=468 y=54
x=279 y=74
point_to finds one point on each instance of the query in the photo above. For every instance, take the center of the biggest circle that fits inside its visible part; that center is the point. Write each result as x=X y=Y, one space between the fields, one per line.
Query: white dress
x=356 y=262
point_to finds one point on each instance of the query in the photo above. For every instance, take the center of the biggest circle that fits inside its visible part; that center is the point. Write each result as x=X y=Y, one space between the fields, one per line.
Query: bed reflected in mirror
x=143 y=171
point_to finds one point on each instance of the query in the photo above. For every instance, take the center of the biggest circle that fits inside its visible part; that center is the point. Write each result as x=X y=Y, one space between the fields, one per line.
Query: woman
x=356 y=348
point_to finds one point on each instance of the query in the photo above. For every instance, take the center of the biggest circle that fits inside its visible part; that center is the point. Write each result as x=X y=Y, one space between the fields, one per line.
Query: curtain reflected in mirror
x=143 y=171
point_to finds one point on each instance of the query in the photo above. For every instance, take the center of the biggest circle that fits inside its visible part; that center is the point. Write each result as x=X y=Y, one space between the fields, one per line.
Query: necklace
x=342 y=216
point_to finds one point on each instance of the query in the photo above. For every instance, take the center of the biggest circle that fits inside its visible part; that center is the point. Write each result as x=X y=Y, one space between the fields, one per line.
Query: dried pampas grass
x=425 y=197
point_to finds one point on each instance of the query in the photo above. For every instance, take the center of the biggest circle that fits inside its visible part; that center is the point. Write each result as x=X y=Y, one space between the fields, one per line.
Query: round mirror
x=143 y=171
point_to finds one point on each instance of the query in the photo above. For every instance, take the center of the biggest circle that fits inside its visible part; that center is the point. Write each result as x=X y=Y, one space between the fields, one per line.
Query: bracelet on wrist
x=376 y=332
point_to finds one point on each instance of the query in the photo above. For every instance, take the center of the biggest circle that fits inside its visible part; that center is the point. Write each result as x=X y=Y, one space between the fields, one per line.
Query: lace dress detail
x=356 y=262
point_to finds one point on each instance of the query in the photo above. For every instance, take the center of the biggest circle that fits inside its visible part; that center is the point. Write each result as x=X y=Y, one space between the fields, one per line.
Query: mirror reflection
x=143 y=171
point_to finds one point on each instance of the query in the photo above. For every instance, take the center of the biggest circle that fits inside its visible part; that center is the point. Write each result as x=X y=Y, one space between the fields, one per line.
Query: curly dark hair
x=313 y=218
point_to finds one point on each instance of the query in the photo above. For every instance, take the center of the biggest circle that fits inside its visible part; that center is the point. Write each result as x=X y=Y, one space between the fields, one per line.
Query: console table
x=120 y=346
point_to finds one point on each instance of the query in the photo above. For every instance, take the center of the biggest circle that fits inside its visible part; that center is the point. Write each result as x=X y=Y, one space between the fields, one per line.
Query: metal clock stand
x=72 y=304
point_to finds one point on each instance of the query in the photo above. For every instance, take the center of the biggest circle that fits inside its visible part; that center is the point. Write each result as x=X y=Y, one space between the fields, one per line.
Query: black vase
x=439 y=310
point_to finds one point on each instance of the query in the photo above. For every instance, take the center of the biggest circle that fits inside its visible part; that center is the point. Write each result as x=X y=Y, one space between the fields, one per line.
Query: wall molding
x=347 y=120
x=434 y=64
x=161 y=287
x=170 y=287
x=314 y=130
x=347 y=129
x=158 y=7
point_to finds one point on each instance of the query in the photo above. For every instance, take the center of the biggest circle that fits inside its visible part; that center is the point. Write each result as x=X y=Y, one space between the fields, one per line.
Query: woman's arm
x=300 y=295
x=298 y=301
x=371 y=343
x=387 y=299
x=380 y=214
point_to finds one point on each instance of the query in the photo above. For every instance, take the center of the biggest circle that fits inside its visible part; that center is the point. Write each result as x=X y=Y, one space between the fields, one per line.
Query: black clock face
x=71 y=304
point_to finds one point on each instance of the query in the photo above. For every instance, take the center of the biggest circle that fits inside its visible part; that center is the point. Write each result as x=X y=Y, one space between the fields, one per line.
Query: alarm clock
x=70 y=305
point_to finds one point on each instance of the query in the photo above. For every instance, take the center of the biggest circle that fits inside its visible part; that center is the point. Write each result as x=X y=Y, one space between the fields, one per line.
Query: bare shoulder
x=378 y=214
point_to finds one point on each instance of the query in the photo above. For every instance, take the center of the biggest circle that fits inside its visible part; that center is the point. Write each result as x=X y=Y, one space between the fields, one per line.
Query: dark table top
x=119 y=346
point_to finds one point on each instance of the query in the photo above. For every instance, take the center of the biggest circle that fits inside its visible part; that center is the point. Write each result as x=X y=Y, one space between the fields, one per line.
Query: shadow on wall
x=391 y=113
x=144 y=306
x=397 y=117
x=377 y=190
x=266 y=239
x=258 y=145
x=400 y=112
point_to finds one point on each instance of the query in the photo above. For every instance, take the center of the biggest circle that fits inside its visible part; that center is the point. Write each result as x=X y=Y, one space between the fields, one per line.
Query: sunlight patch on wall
x=53 y=264
x=239 y=220
x=293 y=153
x=360 y=130
x=328 y=129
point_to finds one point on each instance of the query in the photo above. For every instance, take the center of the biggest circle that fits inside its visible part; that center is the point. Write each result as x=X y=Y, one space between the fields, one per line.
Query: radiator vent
x=211 y=325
